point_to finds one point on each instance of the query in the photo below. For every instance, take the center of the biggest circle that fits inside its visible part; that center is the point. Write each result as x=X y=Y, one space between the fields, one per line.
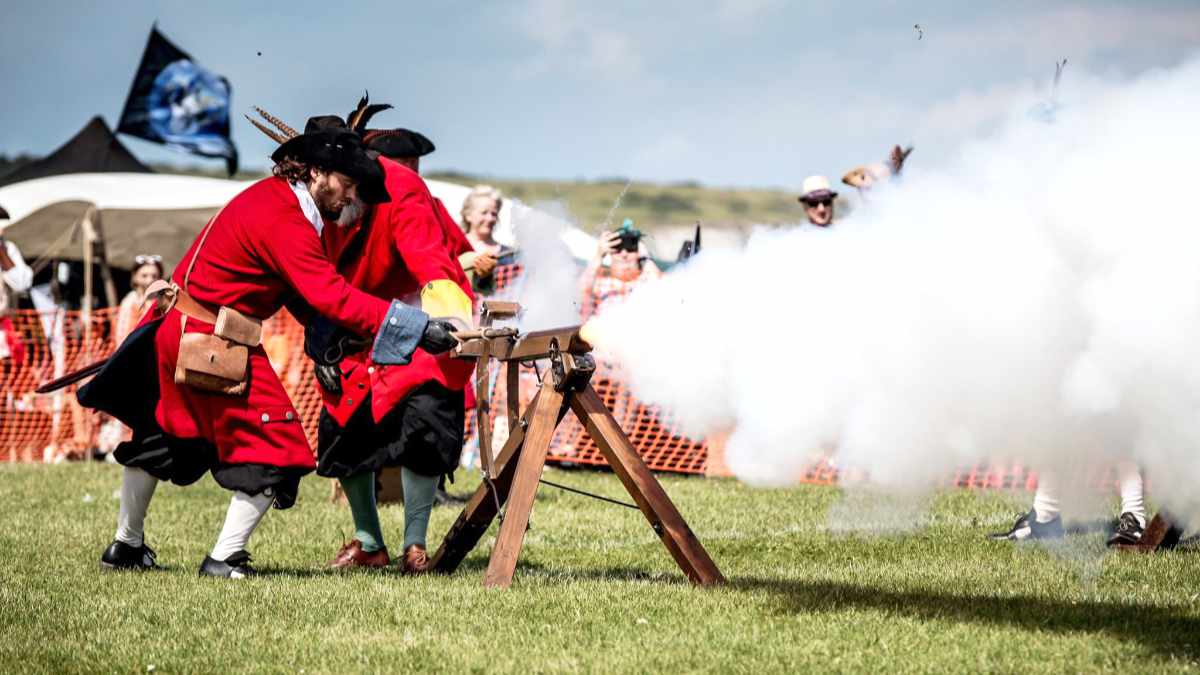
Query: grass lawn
x=595 y=591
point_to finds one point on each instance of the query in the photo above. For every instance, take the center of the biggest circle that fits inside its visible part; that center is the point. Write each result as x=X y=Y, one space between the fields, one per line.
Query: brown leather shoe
x=352 y=555
x=416 y=561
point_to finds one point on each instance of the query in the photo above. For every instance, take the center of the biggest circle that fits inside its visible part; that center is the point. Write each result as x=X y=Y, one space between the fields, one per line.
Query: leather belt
x=170 y=295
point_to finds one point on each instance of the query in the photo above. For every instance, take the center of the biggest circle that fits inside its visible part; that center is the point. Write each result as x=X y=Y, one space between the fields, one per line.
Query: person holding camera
x=620 y=264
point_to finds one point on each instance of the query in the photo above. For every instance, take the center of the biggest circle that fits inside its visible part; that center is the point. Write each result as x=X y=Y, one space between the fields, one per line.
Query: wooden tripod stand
x=512 y=476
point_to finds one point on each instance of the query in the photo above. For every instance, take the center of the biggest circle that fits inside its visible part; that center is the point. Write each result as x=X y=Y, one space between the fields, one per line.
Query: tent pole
x=89 y=244
x=110 y=289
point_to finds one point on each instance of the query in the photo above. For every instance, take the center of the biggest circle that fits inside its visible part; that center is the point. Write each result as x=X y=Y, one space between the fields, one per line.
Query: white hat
x=816 y=187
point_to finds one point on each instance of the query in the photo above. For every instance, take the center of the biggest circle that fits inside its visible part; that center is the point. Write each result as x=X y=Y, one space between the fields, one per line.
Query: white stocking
x=1045 y=501
x=243 y=516
x=137 y=488
x=1131 y=491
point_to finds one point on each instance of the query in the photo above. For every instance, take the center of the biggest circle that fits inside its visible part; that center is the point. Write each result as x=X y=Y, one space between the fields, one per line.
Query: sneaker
x=122 y=556
x=236 y=566
x=1129 y=531
x=1028 y=527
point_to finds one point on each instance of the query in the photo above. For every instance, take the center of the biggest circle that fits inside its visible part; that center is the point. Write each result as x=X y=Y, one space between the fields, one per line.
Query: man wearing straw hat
x=817 y=196
x=210 y=400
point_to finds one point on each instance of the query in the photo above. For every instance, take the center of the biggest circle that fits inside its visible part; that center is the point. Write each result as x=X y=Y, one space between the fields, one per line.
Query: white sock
x=243 y=516
x=137 y=488
x=1131 y=491
x=1045 y=500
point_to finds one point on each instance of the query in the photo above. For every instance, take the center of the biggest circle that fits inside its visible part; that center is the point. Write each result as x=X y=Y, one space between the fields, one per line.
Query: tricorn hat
x=391 y=143
x=329 y=144
x=398 y=143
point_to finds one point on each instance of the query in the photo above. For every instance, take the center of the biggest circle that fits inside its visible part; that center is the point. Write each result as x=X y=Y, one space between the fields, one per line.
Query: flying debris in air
x=1047 y=111
x=920 y=31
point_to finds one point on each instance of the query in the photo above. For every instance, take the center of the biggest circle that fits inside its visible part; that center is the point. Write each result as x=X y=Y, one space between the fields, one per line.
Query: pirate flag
x=179 y=103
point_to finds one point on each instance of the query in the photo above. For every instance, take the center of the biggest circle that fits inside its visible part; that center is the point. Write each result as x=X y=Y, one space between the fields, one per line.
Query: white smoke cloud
x=1038 y=297
x=548 y=286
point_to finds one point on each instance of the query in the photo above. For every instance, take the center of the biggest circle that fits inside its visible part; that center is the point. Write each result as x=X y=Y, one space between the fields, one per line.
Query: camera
x=630 y=237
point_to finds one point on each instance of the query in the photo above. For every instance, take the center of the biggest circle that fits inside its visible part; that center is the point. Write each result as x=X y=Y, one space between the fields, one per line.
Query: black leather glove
x=327 y=343
x=329 y=377
x=437 y=338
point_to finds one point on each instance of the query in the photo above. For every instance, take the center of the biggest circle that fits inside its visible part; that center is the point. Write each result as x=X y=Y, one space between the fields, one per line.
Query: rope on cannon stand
x=589 y=494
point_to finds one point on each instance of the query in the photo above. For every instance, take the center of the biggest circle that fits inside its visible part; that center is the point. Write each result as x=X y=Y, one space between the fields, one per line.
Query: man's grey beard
x=351 y=213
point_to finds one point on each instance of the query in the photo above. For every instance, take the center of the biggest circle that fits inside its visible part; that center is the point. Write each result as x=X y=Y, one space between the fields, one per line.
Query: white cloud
x=572 y=36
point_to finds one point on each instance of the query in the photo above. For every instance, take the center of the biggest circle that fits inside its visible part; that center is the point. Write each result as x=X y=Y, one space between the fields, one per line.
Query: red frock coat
x=260 y=253
x=408 y=244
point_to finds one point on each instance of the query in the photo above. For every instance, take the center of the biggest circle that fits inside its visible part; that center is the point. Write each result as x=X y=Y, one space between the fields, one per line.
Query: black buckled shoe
x=1129 y=531
x=1028 y=527
x=236 y=566
x=122 y=556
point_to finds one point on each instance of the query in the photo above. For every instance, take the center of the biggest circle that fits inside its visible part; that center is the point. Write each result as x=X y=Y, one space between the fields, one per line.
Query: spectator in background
x=818 y=196
x=629 y=265
x=480 y=213
x=15 y=277
x=146 y=270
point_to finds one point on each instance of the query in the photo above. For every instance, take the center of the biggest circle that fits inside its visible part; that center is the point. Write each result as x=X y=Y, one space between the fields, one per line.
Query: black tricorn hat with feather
x=391 y=143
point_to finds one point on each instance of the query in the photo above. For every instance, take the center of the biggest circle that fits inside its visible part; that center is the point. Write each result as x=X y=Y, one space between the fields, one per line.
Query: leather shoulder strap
x=192 y=263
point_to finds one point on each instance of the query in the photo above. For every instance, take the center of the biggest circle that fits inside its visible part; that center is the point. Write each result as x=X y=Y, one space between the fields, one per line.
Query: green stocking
x=418 y=502
x=360 y=493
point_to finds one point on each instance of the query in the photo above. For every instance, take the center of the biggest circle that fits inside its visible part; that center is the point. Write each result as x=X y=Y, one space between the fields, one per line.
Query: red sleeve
x=421 y=240
x=456 y=241
x=293 y=249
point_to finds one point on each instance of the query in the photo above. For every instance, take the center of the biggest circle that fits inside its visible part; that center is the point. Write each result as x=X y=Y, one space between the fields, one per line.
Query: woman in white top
x=480 y=213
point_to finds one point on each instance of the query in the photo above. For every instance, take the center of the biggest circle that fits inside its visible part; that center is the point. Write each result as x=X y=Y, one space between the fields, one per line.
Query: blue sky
x=749 y=92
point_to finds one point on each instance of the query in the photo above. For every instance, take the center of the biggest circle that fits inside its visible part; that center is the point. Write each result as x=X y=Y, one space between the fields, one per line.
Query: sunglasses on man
x=814 y=203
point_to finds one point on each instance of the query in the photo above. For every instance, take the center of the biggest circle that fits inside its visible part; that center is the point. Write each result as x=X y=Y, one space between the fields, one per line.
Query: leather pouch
x=233 y=325
x=211 y=363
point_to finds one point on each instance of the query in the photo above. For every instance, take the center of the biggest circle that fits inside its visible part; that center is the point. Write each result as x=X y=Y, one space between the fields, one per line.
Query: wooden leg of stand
x=483 y=420
x=529 y=466
x=513 y=382
x=480 y=510
x=645 y=489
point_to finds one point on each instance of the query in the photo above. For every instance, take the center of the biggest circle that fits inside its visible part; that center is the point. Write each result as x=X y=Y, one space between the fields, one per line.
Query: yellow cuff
x=443 y=298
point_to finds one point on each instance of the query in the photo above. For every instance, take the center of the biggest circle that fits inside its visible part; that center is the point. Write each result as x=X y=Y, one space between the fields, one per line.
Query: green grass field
x=594 y=592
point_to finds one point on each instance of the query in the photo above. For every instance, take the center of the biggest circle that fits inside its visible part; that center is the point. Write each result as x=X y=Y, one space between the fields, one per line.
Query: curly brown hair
x=293 y=170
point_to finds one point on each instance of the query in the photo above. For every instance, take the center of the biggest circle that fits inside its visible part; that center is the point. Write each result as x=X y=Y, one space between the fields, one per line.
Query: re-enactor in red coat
x=262 y=250
x=409 y=416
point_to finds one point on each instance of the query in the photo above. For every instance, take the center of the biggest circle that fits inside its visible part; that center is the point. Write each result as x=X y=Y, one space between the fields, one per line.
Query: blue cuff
x=398 y=337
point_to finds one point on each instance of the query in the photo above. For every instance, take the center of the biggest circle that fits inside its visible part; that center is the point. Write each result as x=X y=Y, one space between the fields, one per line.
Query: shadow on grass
x=1164 y=630
x=477 y=565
